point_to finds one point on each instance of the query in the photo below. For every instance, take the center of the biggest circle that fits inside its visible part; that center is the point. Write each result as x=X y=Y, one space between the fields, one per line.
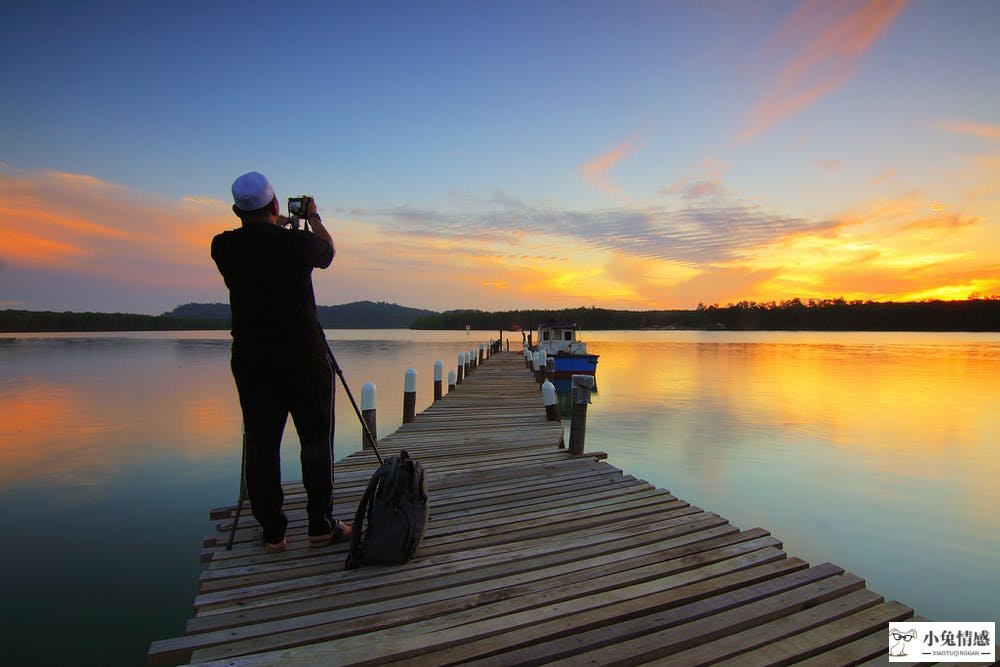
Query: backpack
x=392 y=515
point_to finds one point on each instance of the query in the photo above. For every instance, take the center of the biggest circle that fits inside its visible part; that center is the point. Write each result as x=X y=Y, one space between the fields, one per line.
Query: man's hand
x=312 y=217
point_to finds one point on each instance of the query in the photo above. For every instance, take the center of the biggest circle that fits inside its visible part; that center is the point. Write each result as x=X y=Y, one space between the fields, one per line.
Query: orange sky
x=907 y=248
x=814 y=150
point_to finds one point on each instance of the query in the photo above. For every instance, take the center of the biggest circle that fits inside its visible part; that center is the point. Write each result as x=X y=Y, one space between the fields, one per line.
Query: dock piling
x=551 y=401
x=368 y=414
x=438 y=371
x=409 y=395
x=582 y=385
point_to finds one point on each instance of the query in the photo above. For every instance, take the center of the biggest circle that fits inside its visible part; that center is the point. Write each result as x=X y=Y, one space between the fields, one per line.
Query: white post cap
x=368 y=396
x=438 y=369
x=410 y=382
x=548 y=393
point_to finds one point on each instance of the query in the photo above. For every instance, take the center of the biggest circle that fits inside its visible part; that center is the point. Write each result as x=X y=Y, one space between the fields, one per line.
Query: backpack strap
x=364 y=508
x=397 y=479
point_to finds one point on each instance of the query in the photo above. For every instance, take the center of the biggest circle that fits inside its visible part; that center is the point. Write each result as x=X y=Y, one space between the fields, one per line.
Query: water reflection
x=875 y=451
x=78 y=410
x=869 y=453
x=113 y=447
x=876 y=402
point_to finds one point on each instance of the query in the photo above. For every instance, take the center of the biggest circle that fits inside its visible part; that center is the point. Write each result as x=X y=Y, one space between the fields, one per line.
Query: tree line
x=354 y=315
x=36 y=321
x=205 y=316
x=792 y=315
x=978 y=314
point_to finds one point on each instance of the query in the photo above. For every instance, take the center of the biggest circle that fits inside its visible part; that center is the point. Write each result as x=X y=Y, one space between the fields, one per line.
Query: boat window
x=567 y=335
x=545 y=335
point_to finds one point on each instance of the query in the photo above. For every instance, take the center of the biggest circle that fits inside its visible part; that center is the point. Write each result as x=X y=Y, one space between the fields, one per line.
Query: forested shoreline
x=30 y=321
x=793 y=315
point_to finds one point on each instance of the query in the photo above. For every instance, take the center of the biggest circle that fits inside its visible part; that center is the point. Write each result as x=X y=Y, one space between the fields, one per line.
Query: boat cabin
x=560 y=338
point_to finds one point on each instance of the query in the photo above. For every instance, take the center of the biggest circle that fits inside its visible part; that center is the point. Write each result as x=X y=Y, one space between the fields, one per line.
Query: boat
x=561 y=343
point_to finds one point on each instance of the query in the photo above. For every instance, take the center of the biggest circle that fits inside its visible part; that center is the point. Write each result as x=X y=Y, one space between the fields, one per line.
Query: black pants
x=273 y=381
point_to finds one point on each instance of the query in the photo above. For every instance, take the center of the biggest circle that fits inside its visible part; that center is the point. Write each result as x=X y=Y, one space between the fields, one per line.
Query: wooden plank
x=455 y=511
x=559 y=600
x=556 y=639
x=863 y=650
x=450 y=531
x=702 y=527
x=638 y=564
x=680 y=523
x=498 y=532
x=664 y=642
x=742 y=643
x=827 y=638
x=540 y=589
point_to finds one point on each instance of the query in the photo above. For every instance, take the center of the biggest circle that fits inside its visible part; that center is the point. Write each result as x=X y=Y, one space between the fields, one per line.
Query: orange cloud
x=26 y=247
x=975 y=129
x=80 y=224
x=595 y=171
x=887 y=250
x=827 y=40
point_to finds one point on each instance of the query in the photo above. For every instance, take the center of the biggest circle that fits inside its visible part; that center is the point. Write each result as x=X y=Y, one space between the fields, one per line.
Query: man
x=280 y=359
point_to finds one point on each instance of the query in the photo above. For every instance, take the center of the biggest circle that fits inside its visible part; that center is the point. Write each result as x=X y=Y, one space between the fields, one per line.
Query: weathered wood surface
x=531 y=556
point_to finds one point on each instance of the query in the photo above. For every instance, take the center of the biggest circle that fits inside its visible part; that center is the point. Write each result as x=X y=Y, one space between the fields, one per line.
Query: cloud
x=70 y=242
x=73 y=233
x=823 y=43
x=829 y=165
x=945 y=222
x=888 y=249
x=974 y=129
x=715 y=229
x=595 y=171
x=695 y=190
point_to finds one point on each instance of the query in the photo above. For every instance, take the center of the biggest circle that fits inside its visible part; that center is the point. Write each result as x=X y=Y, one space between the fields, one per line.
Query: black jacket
x=268 y=270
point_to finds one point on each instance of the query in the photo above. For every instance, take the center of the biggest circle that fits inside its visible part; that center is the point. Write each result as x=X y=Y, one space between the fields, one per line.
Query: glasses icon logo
x=898 y=641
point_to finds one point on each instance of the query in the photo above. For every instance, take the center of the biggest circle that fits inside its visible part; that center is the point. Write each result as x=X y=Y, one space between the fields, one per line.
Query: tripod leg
x=242 y=495
x=357 y=410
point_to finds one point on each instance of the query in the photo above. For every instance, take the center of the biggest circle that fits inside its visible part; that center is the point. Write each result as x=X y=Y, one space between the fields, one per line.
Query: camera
x=298 y=207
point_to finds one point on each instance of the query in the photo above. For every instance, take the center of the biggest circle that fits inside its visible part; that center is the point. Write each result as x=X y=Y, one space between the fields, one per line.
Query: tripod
x=243 y=479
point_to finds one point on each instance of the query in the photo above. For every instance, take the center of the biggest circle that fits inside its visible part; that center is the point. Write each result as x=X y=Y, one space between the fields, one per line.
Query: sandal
x=341 y=531
x=277 y=547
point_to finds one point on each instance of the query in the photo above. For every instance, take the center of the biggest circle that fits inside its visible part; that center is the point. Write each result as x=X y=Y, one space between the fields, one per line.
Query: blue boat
x=561 y=343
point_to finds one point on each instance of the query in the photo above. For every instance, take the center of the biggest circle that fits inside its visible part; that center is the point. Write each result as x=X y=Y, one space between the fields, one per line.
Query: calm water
x=878 y=452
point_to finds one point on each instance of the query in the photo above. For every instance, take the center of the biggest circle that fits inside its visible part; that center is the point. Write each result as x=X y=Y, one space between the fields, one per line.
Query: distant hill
x=208 y=311
x=356 y=315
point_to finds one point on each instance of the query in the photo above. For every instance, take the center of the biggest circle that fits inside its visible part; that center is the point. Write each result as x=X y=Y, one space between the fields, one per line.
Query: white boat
x=562 y=344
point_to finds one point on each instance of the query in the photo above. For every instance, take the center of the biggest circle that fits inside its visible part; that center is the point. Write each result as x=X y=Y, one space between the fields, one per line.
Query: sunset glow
x=705 y=154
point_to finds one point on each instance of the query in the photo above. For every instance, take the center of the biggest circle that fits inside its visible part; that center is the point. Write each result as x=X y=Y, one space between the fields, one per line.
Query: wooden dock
x=531 y=556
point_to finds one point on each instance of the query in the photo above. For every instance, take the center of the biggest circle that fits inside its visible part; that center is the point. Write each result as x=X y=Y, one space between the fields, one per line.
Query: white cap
x=252 y=191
